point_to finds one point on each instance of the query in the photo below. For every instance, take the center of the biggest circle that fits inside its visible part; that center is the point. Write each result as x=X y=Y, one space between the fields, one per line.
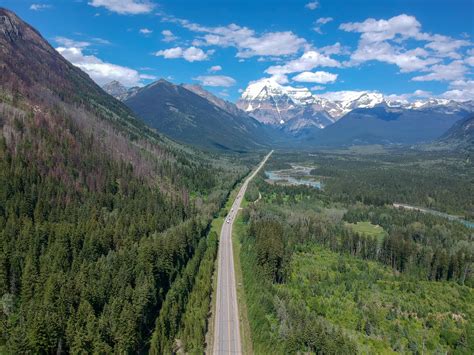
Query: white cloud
x=374 y=45
x=214 y=68
x=247 y=42
x=273 y=80
x=324 y=20
x=39 y=7
x=271 y=44
x=191 y=54
x=145 y=31
x=444 y=72
x=307 y=61
x=407 y=60
x=320 y=22
x=123 y=7
x=386 y=41
x=317 y=88
x=380 y=30
x=319 y=77
x=100 y=40
x=460 y=90
x=67 y=42
x=168 y=36
x=313 y=5
x=445 y=46
x=215 y=80
x=148 y=77
x=170 y=53
x=102 y=72
x=335 y=48
x=281 y=79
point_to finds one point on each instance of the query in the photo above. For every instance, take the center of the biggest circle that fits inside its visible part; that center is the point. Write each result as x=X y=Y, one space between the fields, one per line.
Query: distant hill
x=198 y=119
x=386 y=125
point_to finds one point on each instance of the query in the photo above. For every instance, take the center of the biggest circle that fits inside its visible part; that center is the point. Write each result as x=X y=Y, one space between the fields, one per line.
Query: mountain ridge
x=461 y=133
x=275 y=104
x=191 y=118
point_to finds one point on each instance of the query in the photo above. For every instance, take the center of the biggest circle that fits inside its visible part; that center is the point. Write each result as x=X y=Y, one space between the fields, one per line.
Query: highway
x=226 y=325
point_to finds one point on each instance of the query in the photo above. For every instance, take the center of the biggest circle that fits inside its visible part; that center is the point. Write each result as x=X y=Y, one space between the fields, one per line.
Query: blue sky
x=408 y=48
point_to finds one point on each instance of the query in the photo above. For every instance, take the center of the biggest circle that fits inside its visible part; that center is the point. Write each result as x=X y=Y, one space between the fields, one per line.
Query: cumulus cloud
x=102 y=72
x=306 y=62
x=444 y=72
x=334 y=49
x=313 y=5
x=67 y=42
x=271 y=44
x=380 y=30
x=214 y=68
x=272 y=80
x=320 y=22
x=39 y=7
x=317 y=88
x=247 y=42
x=125 y=7
x=319 y=77
x=168 y=36
x=407 y=60
x=215 y=80
x=281 y=79
x=386 y=41
x=460 y=90
x=191 y=54
x=445 y=46
x=145 y=31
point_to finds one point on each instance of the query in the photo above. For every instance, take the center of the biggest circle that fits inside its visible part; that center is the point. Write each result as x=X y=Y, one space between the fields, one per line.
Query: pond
x=297 y=175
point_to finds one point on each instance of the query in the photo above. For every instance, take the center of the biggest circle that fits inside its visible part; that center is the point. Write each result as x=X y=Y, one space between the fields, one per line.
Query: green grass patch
x=367 y=228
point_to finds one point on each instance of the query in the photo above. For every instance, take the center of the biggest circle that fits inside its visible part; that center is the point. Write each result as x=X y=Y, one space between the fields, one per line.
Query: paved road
x=226 y=325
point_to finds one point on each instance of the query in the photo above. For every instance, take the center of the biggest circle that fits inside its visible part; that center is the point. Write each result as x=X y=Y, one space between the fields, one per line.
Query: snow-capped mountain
x=286 y=106
x=275 y=104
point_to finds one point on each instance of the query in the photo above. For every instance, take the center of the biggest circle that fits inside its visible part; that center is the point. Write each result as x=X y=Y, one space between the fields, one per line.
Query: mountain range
x=270 y=114
x=275 y=104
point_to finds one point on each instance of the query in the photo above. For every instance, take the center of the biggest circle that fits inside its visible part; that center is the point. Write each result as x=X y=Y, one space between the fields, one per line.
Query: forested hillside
x=99 y=215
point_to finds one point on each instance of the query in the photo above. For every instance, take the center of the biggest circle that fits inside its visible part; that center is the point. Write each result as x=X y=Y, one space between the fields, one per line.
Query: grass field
x=367 y=228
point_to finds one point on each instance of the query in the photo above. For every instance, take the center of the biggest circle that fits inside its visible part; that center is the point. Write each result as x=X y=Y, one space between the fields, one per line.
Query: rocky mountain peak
x=276 y=104
x=9 y=25
x=115 y=88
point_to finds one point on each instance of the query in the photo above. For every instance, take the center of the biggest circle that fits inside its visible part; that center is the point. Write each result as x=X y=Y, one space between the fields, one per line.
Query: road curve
x=226 y=324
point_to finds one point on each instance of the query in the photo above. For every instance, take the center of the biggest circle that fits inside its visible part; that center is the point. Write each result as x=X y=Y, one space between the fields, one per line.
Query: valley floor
x=339 y=270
